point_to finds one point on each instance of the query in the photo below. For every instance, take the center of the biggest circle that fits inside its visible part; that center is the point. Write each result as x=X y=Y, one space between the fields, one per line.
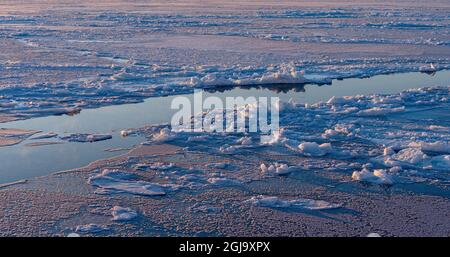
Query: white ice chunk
x=411 y=155
x=378 y=176
x=271 y=139
x=314 y=149
x=164 y=135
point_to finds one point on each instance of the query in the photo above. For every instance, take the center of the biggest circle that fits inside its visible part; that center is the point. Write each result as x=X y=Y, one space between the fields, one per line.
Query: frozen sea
x=364 y=117
x=57 y=58
x=41 y=160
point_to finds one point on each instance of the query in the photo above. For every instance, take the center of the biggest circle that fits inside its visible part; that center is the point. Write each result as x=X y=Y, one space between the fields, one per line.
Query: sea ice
x=438 y=147
x=314 y=149
x=441 y=162
x=161 y=166
x=411 y=156
x=378 y=176
x=307 y=204
x=45 y=136
x=10 y=137
x=163 y=135
x=84 y=138
x=225 y=182
x=379 y=111
x=114 y=181
x=90 y=228
x=123 y=214
x=277 y=168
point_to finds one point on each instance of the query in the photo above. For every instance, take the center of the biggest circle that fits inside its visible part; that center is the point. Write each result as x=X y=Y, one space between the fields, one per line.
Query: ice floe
x=438 y=147
x=85 y=138
x=314 y=149
x=45 y=136
x=441 y=162
x=123 y=214
x=115 y=181
x=9 y=136
x=306 y=204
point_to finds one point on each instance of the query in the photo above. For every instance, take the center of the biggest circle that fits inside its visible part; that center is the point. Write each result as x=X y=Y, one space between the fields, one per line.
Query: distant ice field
x=59 y=58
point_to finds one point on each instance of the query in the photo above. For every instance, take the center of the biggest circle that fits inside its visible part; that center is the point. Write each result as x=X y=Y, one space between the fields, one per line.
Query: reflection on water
x=21 y=162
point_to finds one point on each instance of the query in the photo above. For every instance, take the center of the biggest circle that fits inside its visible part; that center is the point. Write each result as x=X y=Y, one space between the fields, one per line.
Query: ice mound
x=438 y=147
x=278 y=169
x=306 y=204
x=123 y=214
x=279 y=74
x=84 y=138
x=274 y=138
x=340 y=100
x=267 y=170
x=90 y=228
x=388 y=151
x=287 y=74
x=114 y=181
x=378 y=176
x=125 y=133
x=411 y=156
x=163 y=135
x=315 y=150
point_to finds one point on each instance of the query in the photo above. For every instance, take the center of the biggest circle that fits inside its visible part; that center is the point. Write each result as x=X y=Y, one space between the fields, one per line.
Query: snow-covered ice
x=314 y=149
x=114 y=181
x=123 y=214
x=68 y=70
x=307 y=204
x=378 y=176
